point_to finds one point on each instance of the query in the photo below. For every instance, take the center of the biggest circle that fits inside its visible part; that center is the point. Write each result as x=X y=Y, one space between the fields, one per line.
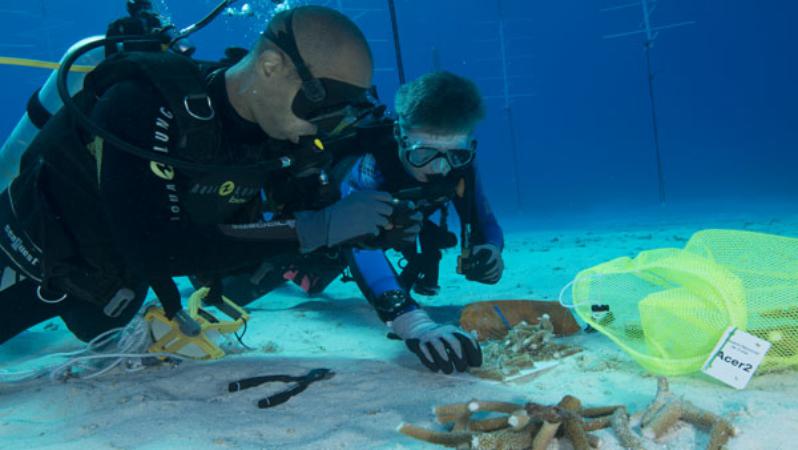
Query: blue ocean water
x=725 y=89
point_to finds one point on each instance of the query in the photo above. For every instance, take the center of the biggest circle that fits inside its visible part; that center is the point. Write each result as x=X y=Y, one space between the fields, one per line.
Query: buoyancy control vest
x=56 y=197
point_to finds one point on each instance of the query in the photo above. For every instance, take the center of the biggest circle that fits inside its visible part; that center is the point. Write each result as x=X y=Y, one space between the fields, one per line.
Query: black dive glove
x=405 y=224
x=360 y=215
x=444 y=348
x=485 y=264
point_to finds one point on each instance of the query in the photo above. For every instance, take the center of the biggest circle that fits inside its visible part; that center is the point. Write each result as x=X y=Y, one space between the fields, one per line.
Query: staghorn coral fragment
x=698 y=416
x=599 y=423
x=502 y=440
x=622 y=429
x=523 y=346
x=488 y=425
x=499 y=407
x=600 y=411
x=519 y=420
x=532 y=426
x=545 y=435
x=664 y=420
x=720 y=429
x=449 y=413
x=719 y=435
x=573 y=424
x=666 y=410
x=663 y=396
x=544 y=413
x=445 y=438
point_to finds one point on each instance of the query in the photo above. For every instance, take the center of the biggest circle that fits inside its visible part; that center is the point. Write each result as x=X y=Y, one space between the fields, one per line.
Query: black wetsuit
x=112 y=217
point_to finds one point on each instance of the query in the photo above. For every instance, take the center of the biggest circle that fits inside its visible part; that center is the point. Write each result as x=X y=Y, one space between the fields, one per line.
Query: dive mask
x=418 y=153
x=331 y=105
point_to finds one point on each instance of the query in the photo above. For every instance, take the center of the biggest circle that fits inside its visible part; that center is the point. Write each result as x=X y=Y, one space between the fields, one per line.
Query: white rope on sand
x=124 y=346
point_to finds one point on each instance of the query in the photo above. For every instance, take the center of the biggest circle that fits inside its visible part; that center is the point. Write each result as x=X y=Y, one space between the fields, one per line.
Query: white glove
x=439 y=347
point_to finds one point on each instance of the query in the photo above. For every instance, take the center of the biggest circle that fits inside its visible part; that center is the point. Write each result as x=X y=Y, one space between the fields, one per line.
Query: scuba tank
x=142 y=21
x=43 y=104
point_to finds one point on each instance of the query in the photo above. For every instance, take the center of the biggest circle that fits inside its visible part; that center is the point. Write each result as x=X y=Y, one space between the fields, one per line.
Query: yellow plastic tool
x=169 y=339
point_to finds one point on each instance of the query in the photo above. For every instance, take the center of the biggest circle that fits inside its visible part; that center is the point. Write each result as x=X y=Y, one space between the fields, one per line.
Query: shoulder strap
x=180 y=83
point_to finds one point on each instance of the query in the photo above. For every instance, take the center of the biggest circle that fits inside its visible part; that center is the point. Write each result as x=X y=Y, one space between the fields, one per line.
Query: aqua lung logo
x=19 y=247
x=165 y=171
x=161 y=130
x=236 y=194
x=162 y=171
x=227 y=188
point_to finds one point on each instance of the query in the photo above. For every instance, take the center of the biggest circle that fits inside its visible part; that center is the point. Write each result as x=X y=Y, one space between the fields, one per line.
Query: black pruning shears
x=300 y=384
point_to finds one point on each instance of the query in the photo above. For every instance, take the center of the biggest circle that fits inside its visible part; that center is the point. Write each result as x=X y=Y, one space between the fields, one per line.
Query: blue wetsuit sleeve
x=375 y=271
x=486 y=227
x=371 y=269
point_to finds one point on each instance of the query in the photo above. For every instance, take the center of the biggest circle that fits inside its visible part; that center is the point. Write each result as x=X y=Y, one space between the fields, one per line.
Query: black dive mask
x=331 y=105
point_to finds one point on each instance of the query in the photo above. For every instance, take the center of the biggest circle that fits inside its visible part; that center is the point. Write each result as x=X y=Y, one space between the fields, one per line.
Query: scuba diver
x=425 y=155
x=156 y=168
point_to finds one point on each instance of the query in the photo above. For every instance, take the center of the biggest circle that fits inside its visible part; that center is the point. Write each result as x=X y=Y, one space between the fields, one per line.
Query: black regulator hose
x=185 y=32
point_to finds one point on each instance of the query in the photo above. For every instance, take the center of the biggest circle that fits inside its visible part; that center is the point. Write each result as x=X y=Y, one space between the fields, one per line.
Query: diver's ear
x=271 y=62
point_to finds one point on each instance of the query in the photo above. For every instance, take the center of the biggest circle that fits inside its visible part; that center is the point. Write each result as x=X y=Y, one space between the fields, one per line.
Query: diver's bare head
x=264 y=86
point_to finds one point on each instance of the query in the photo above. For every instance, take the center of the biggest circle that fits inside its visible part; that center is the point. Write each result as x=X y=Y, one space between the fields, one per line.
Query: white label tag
x=736 y=357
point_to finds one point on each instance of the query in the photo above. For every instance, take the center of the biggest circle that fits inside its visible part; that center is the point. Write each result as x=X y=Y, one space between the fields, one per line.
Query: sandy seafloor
x=378 y=383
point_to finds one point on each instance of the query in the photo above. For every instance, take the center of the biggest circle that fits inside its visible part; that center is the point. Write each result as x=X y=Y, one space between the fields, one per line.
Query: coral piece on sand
x=491 y=319
x=524 y=345
x=667 y=409
x=519 y=427
x=513 y=426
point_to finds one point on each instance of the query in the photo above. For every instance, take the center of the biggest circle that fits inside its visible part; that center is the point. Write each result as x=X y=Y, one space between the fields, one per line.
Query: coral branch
x=573 y=424
x=663 y=396
x=720 y=430
x=534 y=426
x=503 y=439
x=499 y=407
x=448 y=439
x=622 y=429
x=598 y=423
x=449 y=413
x=720 y=434
x=487 y=425
x=664 y=420
x=519 y=420
x=600 y=411
x=545 y=435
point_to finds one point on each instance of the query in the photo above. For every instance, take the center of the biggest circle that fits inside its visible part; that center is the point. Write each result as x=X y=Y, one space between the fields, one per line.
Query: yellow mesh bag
x=669 y=307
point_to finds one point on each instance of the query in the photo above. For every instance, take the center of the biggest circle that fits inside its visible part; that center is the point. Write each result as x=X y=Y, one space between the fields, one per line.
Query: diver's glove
x=405 y=224
x=439 y=347
x=358 y=216
x=485 y=264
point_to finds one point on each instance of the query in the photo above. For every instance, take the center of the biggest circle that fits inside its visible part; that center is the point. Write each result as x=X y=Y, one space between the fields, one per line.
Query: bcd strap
x=37 y=113
x=181 y=85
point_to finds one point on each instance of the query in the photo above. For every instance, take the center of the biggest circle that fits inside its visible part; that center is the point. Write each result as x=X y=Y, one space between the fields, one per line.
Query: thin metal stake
x=400 y=67
x=508 y=109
